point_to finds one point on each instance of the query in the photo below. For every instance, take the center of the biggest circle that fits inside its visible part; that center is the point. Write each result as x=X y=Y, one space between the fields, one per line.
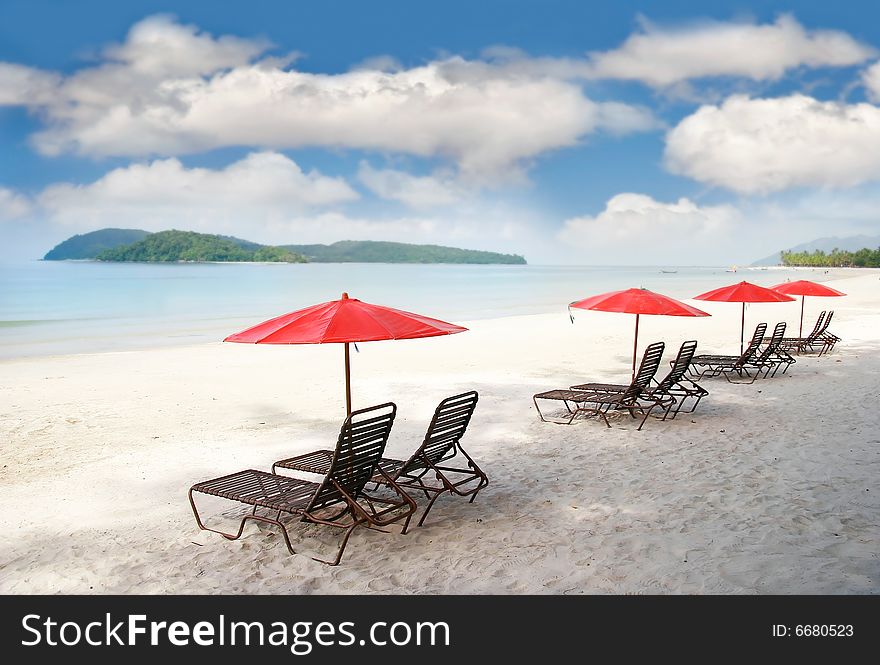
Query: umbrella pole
x=635 y=347
x=347 y=381
x=801 y=329
x=742 y=331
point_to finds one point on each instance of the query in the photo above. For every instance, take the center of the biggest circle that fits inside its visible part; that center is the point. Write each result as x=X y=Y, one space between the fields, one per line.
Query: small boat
x=669 y=272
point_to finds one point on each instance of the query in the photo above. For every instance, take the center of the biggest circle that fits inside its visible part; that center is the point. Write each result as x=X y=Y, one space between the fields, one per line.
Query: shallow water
x=60 y=307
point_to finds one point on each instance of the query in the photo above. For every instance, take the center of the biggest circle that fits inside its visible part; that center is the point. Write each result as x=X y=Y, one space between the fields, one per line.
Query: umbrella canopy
x=743 y=292
x=638 y=302
x=802 y=288
x=344 y=321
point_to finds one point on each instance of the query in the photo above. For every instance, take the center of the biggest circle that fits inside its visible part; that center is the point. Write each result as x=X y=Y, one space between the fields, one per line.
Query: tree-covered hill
x=89 y=245
x=863 y=258
x=828 y=244
x=373 y=251
x=165 y=246
x=171 y=246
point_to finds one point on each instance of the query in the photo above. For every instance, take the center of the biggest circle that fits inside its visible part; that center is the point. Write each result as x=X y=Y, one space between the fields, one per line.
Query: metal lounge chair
x=672 y=391
x=830 y=338
x=599 y=403
x=709 y=365
x=339 y=500
x=814 y=339
x=823 y=341
x=677 y=385
x=442 y=442
x=774 y=356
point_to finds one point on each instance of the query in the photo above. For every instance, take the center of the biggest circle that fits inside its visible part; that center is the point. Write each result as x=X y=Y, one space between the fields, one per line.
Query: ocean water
x=61 y=307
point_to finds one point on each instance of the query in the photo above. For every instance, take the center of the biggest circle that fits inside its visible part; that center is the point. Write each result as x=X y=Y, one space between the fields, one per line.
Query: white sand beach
x=767 y=488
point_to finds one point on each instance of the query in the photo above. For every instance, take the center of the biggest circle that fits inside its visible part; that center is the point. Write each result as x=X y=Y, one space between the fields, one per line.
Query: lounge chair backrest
x=450 y=422
x=361 y=442
x=647 y=370
x=827 y=323
x=778 y=334
x=752 y=349
x=679 y=366
x=773 y=347
x=818 y=327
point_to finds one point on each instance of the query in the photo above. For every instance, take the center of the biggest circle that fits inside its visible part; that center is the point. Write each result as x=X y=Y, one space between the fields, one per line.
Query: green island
x=836 y=258
x=134 y=245
x=174 y=246
x=89 y=245
x=374 y=251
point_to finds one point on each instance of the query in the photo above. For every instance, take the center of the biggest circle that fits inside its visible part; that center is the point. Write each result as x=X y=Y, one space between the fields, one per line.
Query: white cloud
x=478 y=226
x=13 y=205
x=328 y=227
x=415 y=191
x=762 y=145
x=164 y=193
x=171 y=90
x=264 y=197
x=160 y=47
x=20 y=85
x=661 y=57
x=871 y=81
x=636 y=229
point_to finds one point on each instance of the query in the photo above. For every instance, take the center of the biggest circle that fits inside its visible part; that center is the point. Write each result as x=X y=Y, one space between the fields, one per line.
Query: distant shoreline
x=113 y=245
x=282 y=263
x=660 y=268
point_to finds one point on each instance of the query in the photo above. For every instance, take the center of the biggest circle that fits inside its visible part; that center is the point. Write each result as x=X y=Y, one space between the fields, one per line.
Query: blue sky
x=625 y=132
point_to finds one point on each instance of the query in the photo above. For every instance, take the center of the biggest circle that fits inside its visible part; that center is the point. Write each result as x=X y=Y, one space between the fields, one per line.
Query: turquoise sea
x=49 y=307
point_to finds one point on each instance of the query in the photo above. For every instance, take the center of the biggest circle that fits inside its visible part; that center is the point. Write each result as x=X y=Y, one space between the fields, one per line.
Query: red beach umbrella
x=743 y=292
x=344 y=321
x=803 y=288
x=638 y=302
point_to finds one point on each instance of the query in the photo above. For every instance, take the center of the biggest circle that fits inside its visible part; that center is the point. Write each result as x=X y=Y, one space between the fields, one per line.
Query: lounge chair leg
x=477 y=491
x=252 y=517
x=430 y=505
x=342 y=545
x=259 y=518
x=574 y=412
x=647 y=413
x=286 y=537
x=192 y=504
x=538 y=409
x=680 y=406
x=406 y=524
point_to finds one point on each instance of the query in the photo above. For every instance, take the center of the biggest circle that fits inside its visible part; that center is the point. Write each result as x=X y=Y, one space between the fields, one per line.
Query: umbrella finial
x=344 y=295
